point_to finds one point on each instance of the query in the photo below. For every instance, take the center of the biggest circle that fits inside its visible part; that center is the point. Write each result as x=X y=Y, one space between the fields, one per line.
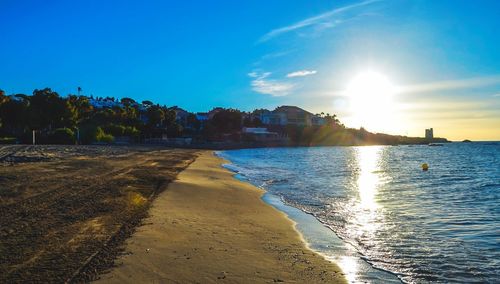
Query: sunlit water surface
x=442 y=225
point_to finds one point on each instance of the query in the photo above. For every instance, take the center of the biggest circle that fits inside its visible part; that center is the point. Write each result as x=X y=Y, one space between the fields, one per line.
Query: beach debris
x=223 y=275
x=147 y=250
x=425 y=167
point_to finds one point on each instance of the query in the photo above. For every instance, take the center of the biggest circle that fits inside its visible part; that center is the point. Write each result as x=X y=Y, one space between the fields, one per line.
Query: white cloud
x=263 y=85
x=319 y=19
x=253 y=74
x=301 y=73
x=496 y=95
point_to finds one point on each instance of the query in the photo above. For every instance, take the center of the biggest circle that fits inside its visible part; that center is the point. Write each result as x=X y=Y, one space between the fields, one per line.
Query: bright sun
x=371 y=100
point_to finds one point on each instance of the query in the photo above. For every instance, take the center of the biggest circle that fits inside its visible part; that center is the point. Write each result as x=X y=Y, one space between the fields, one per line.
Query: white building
x=104 y=103
x=260 y=134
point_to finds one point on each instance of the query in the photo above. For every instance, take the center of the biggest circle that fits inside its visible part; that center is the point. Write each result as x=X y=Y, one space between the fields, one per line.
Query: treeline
x=73 y=119
x=63 y=120
x=68 y=120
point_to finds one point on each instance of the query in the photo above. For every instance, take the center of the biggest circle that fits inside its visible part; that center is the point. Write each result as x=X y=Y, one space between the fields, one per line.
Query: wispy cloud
x=424 y=89
x=301 y=73
x=261 y=83
x=273 y=56
x=277 y=54
x=321 y=19
x=467 y=83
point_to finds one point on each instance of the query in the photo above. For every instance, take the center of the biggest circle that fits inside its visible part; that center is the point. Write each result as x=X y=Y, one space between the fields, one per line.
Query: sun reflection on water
x=349 y=265
x=365 y=211
x=368 y=179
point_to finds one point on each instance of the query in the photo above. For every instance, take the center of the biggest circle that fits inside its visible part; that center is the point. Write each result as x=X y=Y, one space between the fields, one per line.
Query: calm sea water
x=442 y=225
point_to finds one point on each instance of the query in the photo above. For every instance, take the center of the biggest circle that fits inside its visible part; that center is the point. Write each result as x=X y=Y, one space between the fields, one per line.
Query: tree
x=227 y=121
x=155 y=116
x=14 y=114
x=128 y=102
x=257 y=122
x=332 y=119
x=174 y=130
x=193 y=122
x=62 y=136
x=80 y=108
x=3 y=97
x=47 y=110
x=247 y=121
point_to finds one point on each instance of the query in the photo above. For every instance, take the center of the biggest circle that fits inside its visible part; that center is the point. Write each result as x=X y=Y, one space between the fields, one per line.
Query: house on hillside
x=181 y=115
x=273 y=118
x=99 y=103
x=293 y=115
x=202 y=116
x=213 y=112
x=318 y=120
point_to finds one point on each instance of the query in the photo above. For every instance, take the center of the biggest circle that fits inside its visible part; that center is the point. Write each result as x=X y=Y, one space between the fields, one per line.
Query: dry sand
x=66 y=209
x=209 y=227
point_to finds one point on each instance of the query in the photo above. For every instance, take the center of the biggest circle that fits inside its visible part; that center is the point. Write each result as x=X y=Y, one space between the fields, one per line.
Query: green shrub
x=131 y=131
x=106 y=138
x=121 y=130
x=62 y=136
x=91 y=133
x=101 y=136
x=114 y=129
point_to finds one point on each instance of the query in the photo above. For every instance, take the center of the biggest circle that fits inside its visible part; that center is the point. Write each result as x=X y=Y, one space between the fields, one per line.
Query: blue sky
x=253 y=54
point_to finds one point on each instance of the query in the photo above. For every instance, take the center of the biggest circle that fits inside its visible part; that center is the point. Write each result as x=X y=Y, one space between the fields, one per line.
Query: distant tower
x=429 y=133
x=79 y=91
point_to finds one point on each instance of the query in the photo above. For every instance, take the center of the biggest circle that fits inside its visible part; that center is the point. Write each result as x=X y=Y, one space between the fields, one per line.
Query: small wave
x=420 y=221
x=232 y=167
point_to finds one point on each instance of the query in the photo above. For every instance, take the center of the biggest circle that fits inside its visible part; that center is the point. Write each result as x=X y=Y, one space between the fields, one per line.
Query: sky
x=439 y=60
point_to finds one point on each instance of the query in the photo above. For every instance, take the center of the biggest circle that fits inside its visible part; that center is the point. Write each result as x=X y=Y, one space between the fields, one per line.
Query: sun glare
x=370 y=99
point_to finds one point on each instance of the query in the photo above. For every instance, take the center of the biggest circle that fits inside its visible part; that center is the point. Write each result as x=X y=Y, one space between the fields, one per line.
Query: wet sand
x=209 y=227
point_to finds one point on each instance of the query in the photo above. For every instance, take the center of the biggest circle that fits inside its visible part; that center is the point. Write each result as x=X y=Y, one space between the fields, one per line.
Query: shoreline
x=321 y=239
x=207 y=226
x=225 y=146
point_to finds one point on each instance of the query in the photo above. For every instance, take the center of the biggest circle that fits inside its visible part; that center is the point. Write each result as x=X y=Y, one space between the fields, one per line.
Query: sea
x=379 y=216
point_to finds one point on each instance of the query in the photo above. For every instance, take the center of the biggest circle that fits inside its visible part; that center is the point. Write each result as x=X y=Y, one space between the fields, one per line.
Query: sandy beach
x=209 y=227
x=66 y=210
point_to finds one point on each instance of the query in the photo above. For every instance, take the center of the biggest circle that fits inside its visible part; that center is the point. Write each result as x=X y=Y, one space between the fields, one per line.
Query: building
x=318 y=120
x=202 y=116
x=100 y=103
x=429 y=133
x=273 y=118
x=259 y=134
x=181 y=115
x=293 y=115
x=214 y=111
